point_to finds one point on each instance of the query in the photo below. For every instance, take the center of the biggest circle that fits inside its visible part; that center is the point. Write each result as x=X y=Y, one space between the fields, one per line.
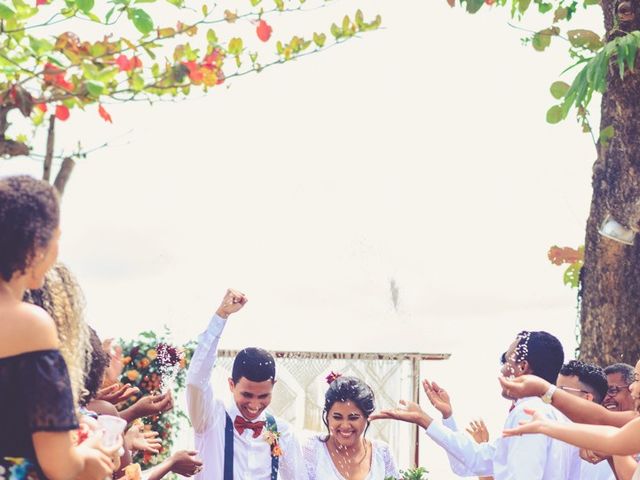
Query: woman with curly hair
x=62 y=298
x=37 y=413
x=344 y=453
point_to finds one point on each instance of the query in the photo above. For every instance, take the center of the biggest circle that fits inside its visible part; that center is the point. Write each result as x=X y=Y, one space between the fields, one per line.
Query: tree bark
x=610 y=278
x=63 y=174
x=48 y=158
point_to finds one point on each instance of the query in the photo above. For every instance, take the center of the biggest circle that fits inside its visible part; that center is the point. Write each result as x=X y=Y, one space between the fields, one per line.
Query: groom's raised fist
x=232 y=302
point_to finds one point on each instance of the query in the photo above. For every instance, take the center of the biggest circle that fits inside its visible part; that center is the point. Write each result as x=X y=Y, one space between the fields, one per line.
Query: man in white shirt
x=589 y=382
x=513 y=458
x=241 y=440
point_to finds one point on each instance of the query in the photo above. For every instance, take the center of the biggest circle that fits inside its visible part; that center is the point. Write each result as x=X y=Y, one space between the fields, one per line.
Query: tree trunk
x=610 y=278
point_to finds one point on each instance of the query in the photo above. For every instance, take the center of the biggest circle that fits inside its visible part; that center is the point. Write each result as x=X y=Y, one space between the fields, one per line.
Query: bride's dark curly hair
x=349 y=389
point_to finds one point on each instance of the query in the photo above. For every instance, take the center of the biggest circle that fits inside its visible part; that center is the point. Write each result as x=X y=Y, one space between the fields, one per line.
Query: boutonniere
x=272 y=437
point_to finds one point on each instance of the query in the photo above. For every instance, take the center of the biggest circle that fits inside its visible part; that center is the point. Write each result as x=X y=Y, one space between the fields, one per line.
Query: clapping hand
x=478 y=430
x=232 y=302
x=438 y=397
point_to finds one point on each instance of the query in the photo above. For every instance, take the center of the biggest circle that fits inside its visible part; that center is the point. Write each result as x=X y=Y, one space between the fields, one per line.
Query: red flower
x=332 y=377
x=104 y=114
x=264 y=31
x=42 y=107
x=123 y=63
x=62 y=112
x=41 y=2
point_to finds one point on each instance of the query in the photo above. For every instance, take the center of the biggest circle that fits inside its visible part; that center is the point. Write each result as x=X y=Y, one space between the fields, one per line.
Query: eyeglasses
x=616 y=389
x=576 y=390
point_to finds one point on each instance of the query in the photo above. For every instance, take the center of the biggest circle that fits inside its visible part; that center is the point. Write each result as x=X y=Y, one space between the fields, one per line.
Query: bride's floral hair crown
x=332 y=377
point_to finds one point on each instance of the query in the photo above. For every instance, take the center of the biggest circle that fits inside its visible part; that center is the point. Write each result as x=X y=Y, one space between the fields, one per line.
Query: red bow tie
x=242 y=424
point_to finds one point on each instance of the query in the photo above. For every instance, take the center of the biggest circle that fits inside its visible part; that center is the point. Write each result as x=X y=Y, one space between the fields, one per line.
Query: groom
x=239 y=440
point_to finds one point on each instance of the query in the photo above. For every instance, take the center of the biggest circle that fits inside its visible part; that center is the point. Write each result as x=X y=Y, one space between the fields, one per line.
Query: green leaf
x=95 y=88
x=235 y=46
x=255 y=2
x=6 y=13
x=335 y=31
x=279 y=4
x=541 y=40
x=474 y=5
x=523 y=5
x=212 y=38
x=319 y=39
x=141 y=20
x=85 y=5
x=559 y=89
x=571 y=275
x=585 y=39
x=40 y=46
x=606 y=134
x=560 y=14
x=137 y=82
x=107 y=17
x=544 y=7
x=555 y=114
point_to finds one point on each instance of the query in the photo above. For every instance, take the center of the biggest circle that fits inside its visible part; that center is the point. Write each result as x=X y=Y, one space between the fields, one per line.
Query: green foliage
x=44 y=64
x=152 y=364
x=585 y=47
x=573 y=257
x=418 y=473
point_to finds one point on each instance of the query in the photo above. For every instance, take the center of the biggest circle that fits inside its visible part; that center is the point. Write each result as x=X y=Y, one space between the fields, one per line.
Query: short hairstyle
x=590 y=375
x=29 y=214
x=543 y=352
x=99 y=363
x=349 y=389
x=254 y=364
x=626 y=370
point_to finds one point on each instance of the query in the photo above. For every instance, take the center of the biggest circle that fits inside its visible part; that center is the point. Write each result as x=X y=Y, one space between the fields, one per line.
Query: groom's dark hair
x=544 y=353
x=254 y=364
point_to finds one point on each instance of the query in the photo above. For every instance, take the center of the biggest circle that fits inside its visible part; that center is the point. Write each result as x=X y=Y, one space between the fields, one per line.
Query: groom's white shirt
x=252 y=456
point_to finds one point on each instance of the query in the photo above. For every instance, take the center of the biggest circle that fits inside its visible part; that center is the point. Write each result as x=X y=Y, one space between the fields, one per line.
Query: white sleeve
x=470 y=457
x=456 y=465
x=390 y=467
x=310 y=454
x=201 y=403
x=292 y=462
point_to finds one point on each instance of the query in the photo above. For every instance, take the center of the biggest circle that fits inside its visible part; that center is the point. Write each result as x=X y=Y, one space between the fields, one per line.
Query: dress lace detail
x=320 y=466
x=36 y=397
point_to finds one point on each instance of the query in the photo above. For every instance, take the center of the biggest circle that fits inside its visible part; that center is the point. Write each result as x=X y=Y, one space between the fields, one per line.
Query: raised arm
x=200 y=395
x=577 y=409
x=602 y=438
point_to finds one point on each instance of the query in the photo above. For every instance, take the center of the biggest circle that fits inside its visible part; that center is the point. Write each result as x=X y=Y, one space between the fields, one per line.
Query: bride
x=344 y=453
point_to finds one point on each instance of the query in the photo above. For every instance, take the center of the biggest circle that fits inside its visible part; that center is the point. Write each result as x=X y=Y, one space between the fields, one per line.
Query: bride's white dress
x=321 y=467
x=636 y=475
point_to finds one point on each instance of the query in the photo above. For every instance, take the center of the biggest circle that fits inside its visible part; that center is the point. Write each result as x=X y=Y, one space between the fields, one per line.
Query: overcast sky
x=418 y=154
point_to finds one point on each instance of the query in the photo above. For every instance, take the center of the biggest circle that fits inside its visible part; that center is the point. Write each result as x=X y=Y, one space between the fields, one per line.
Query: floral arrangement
x=272 y=437
x=418 y=473
x=154 y=365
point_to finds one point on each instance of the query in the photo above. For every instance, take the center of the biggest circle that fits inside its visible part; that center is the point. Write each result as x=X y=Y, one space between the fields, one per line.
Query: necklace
x=342 y=452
